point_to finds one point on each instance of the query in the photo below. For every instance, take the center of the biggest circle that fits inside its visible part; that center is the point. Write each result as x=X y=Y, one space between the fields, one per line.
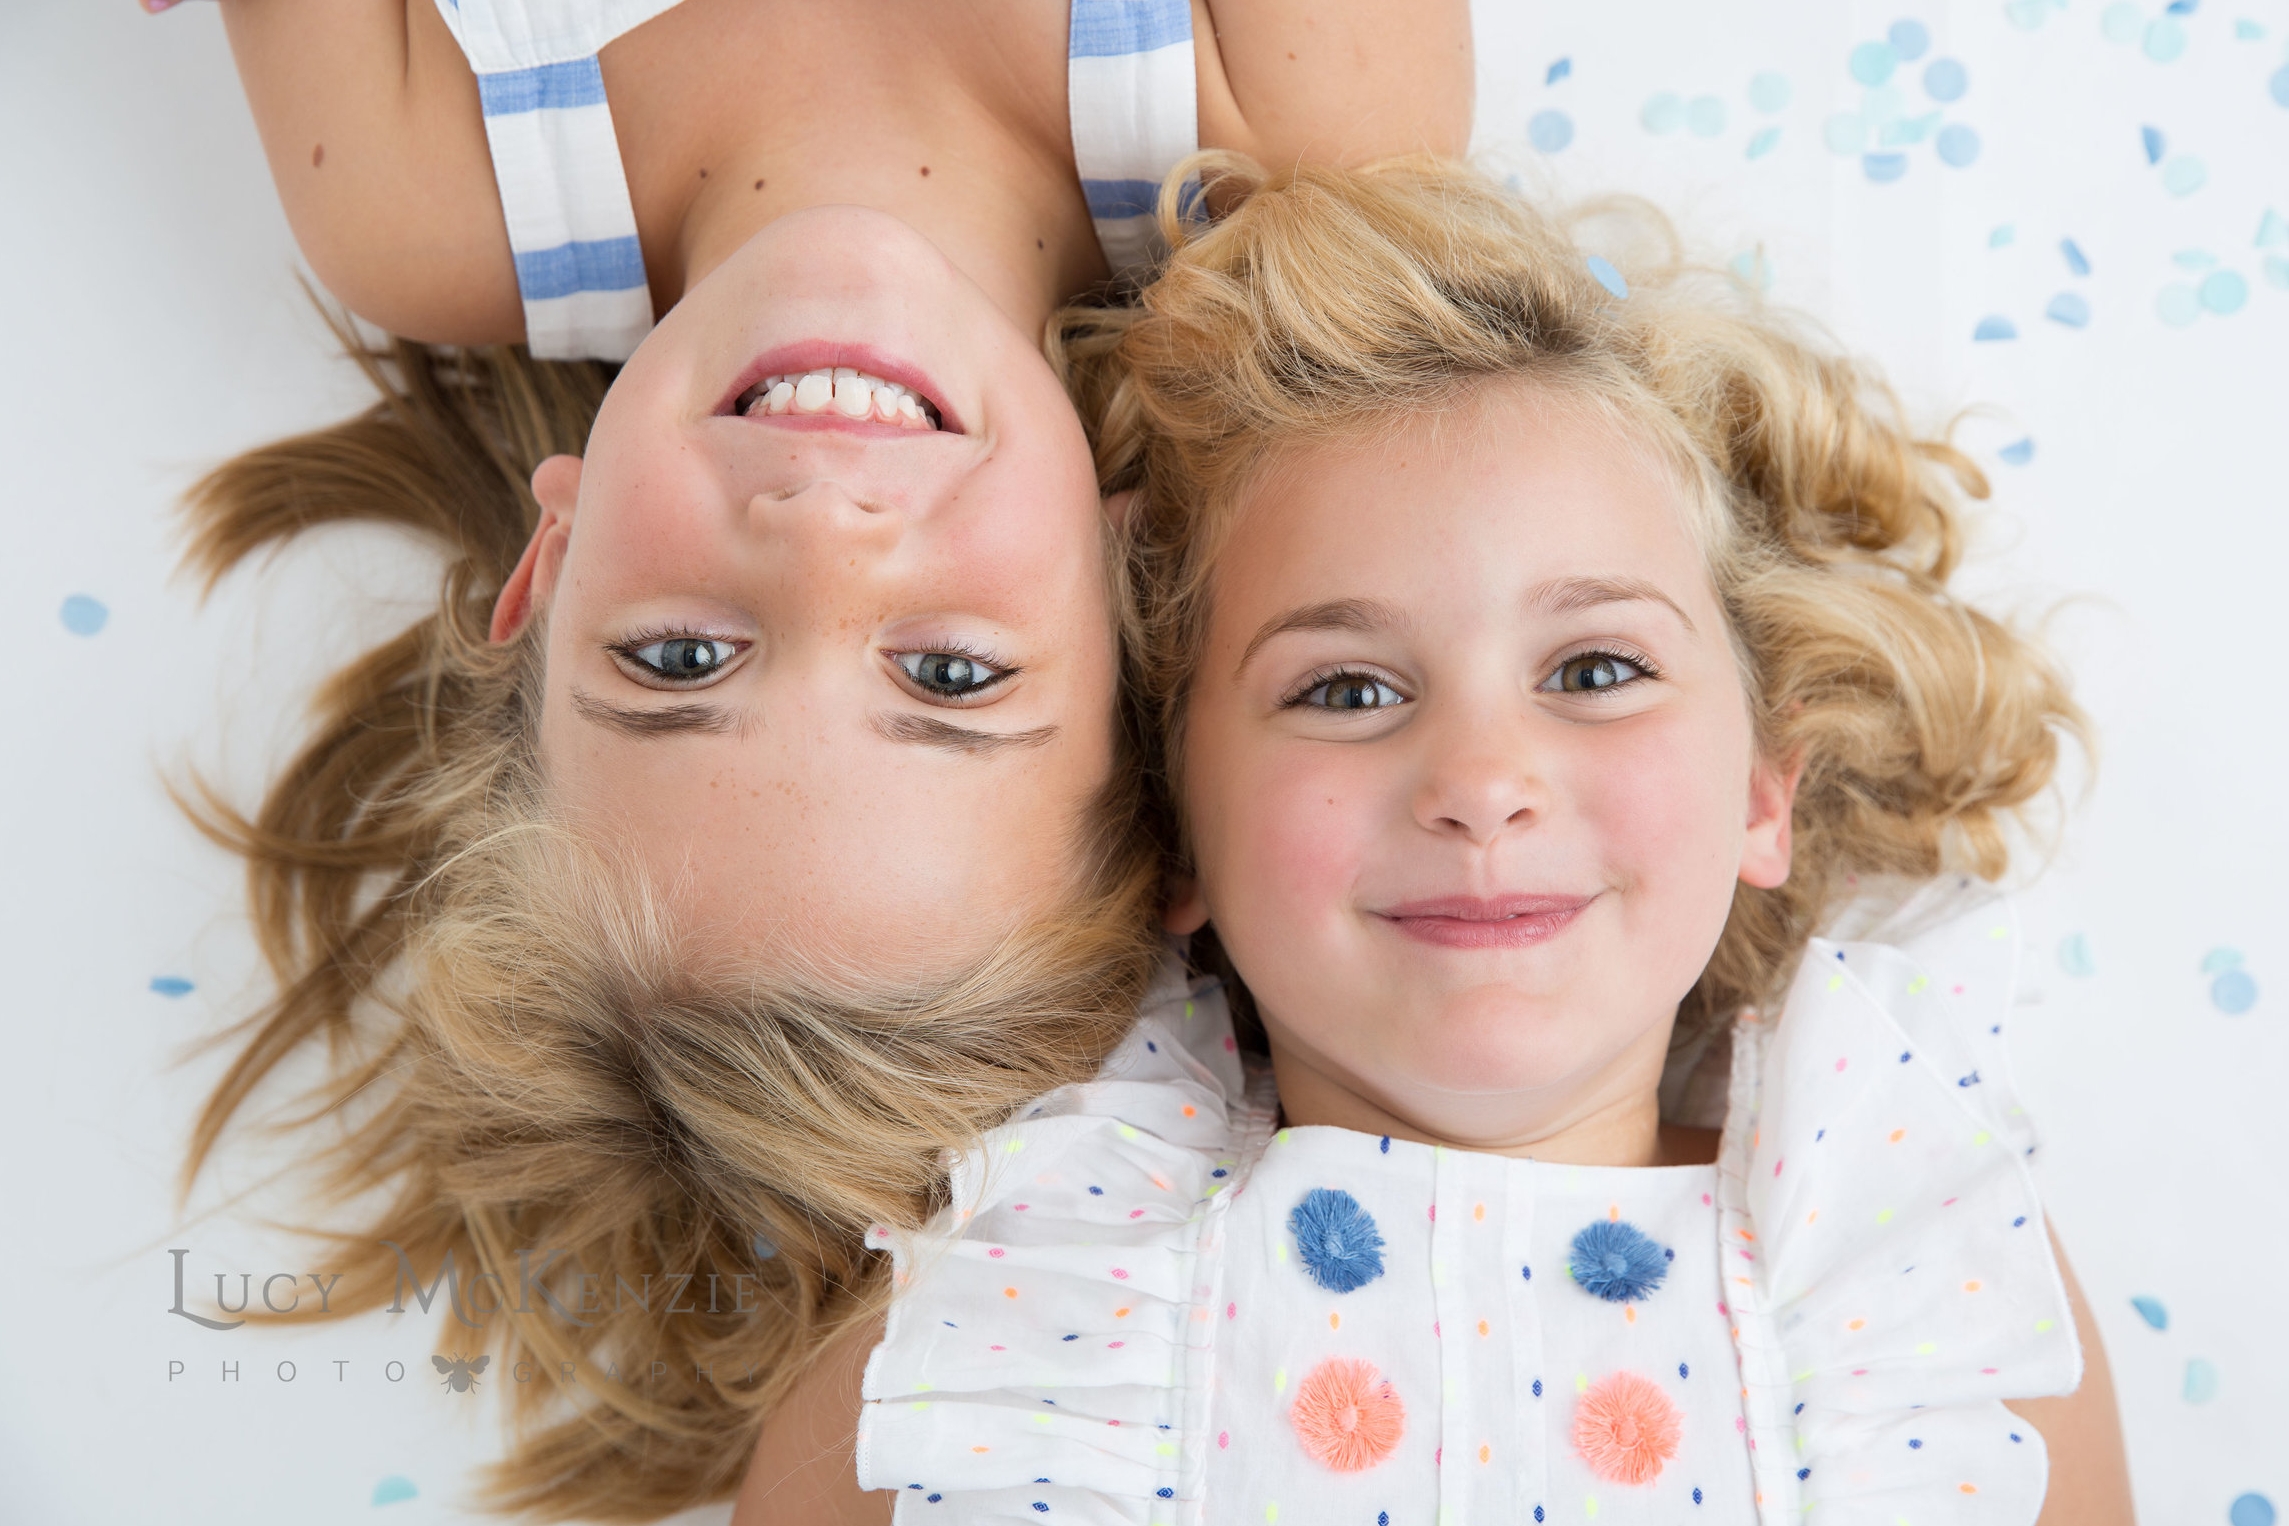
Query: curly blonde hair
x=1327 y=301
x=520 y=1053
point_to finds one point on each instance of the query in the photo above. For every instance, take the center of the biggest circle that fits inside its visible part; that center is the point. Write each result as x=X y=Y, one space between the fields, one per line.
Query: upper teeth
x=844 y=390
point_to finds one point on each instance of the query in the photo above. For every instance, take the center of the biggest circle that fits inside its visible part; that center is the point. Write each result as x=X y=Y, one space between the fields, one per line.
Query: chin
x=1489 y=1042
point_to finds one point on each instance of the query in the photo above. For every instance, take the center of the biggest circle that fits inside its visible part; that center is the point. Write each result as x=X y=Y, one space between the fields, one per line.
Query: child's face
x=1469 y=770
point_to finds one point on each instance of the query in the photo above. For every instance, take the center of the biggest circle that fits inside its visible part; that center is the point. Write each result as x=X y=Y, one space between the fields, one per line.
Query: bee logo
x=461 y=1372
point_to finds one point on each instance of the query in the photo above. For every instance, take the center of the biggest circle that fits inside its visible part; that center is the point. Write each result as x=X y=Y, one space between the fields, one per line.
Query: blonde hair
x=1327 y=301
x=522 y=1056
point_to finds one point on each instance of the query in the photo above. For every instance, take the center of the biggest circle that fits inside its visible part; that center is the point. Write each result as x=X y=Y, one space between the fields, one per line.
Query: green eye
x=682 y=658
x=949 y=675
x=1592 y=672
x=1352 y=691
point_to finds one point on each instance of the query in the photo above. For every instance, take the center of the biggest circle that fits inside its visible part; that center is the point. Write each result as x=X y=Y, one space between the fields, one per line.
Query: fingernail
x=156 y=6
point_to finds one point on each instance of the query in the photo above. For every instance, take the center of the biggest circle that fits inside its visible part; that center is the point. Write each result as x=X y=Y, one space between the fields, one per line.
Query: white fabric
x=500 y=35
x=1134 y=116
x=1104 y=1328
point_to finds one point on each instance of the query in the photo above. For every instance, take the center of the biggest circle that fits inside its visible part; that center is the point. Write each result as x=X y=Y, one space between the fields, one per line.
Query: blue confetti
x=1908 y=39
x=2165 y=40
x=762 y=1247
x=2201 y=1380
x=2223 y=291
x=1337 y=1239
x=1957 y=145
x=2184 y=175
x=2277 y=271
x=2074 y=948
x=394 y=1488
x=2233 y=993
x=2076 y=260
x=1558 y=71
x=1883 y=169
x=2001 y=234
x=2272 y=228
x=173 y=987
x=2248 y=30
x=1763 y=142
x=2156 y=144
x=2122 y=22
x=2183 y=7
x=2150 y=1310
x=2069 y=308
x=1664 y=113
x=83 y=616
x=2029 y=14
x=1873 y=62
x=2279 y=86
x=1752 y=266
x=1994 y=327
x=1944 y=80
x=2219 y=959
x=1769 y=91
x=2018 y=452
x=1617 y=1261
x=2194 y=259
x=1706 y=116
x=1608 y=277
x=1550 y=131
x=2251 y=1510
x=2178 y=304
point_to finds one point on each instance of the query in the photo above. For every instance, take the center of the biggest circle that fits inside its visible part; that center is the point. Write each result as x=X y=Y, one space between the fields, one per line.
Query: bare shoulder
x=370 y=120
x=804 y=1471
x=2082 y=1431
x=1336 y=81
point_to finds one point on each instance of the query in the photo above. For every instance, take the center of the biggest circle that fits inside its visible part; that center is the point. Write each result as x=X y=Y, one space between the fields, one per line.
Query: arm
x=2090 y=1478
x=804 y=1472
x=1340 y=81
x=369 y=117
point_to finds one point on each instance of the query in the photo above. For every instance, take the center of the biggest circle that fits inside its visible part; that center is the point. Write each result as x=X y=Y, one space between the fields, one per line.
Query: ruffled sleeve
x=1886 y=1261
x=1048 y=1341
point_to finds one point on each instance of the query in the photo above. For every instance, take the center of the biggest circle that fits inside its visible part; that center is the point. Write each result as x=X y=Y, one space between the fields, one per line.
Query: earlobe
x=1772 y=814
x=556 y=483
x=1187 y=908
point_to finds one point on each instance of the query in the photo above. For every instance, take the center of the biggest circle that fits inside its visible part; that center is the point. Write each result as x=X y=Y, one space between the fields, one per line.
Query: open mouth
x=839 y=393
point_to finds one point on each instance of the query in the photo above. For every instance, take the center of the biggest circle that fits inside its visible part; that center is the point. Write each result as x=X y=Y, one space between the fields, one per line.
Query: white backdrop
x=2103 y=190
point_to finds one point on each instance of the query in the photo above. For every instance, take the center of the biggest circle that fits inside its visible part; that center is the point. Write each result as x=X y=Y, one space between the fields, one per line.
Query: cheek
x=1280 y=831
x=1668 y=804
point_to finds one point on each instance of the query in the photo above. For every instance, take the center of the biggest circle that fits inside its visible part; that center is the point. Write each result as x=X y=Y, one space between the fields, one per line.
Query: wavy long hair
x=523 y=1067
x=1327 y=302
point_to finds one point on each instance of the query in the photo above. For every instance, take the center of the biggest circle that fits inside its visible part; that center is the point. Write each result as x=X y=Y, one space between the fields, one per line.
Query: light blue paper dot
x=1945 y=80
x=2233 y=993
x=1558 y=71
x=2156 y=145
x=1706 y=116
x=1763 y=142
x=1663 y=113
x=83 y=616
x=2250 y=1510
x=2278 y=85
x=1752 y=266
x=2019 y=453
x=2272 y=228
x=2247 y=30
x=2223 y=291
x=394 y=1488
x=1957 y=144
x=1845 y=133
x=1908 y=39
x=172 y=986
x=1608 y=277
x=762 y=1247
x=1769 y=91
x=2076 y=260
x=2178 y=304
x=1550 y=131
x=2201 y=1380
x=2001 y=234
x=2277 y=270
x=2184 y=175
x=2074 y=956
x=2194 y=259
x=2028 y=14
x=2069 y=308
x=1873 y=62
x=1993 y=328
x=2150 y=1310
x=2165 y=39
x=2218 y=960
x=1883 y=169
x=2122 y=22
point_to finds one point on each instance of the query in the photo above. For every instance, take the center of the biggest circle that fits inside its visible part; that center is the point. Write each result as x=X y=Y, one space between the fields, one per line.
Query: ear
x=1187 y=908
x=556 y=483
x=1772 y=812
x=1118 y=508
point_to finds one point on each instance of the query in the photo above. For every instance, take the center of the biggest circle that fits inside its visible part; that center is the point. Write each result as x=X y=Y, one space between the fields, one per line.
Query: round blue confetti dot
x=1769 y=91
x=2233 y=993
x=1957 y=144
x=2223 y=291
x=2251 y=1510
x=1908 y=38
x=2018 y=452
x=2122 y=22
x=2221 y=959
x=2279 y=86
x=762 y=1248
x=1944 y=80
x=173 y=986
x=2184 y=175
x=1873 y=62
x=83 y=616
x=1762 y=143
x=1558 y=71
x=2178 y=304
x=1992 y=328
x=2201 y=1381
x=1550 y=131
x=1883 y=169
x=1705 y=116
x=2165 y=39
x=2150 y=1310
x=1608 y=277
x=394 y=1488
x=1663 y=113
x=2069 y=308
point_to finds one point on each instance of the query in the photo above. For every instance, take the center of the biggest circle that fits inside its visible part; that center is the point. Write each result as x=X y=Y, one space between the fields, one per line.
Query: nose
x=1481 y=782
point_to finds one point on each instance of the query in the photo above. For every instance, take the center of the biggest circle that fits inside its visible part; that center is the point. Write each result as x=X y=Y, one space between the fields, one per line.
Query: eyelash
x=1320 y=678
x=627 y=648
x=958 y=647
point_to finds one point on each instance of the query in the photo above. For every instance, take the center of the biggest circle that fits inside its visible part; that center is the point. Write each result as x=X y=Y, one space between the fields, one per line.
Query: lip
x=1509 y=921
x=825 y=355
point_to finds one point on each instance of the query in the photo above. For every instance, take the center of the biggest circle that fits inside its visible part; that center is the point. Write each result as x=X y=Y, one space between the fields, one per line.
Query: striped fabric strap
x=1130 y=87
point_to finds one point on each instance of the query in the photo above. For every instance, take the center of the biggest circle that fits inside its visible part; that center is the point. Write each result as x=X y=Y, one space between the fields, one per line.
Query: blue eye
x=681 y=659
x=949 y=675
x=1350 y=691
x=1594 y=671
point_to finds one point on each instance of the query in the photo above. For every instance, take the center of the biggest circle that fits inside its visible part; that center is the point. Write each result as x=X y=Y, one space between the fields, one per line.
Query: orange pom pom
x=1626 y=1428
x=1347 y=1416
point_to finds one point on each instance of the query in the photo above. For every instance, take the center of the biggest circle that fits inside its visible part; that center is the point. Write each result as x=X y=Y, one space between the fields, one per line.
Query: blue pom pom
x=1617 y=1261
x=1338 y=1240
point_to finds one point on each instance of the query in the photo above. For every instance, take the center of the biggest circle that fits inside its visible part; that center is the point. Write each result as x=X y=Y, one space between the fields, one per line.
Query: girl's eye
x=681 y=659
x=949 y=675
x=1591 y=672
x=1351 y=691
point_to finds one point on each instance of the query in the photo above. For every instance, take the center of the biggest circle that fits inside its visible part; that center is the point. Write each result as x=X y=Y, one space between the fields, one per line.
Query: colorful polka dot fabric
x=1145 y=1305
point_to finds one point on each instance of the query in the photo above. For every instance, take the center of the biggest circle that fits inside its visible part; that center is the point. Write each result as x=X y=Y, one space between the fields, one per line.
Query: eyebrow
x=1565 y=596
x=1334 y=615
x=644 y=724
x=929 y=731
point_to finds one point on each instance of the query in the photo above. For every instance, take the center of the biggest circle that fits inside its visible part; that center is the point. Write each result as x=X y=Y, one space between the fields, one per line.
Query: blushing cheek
x=1668 y=807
